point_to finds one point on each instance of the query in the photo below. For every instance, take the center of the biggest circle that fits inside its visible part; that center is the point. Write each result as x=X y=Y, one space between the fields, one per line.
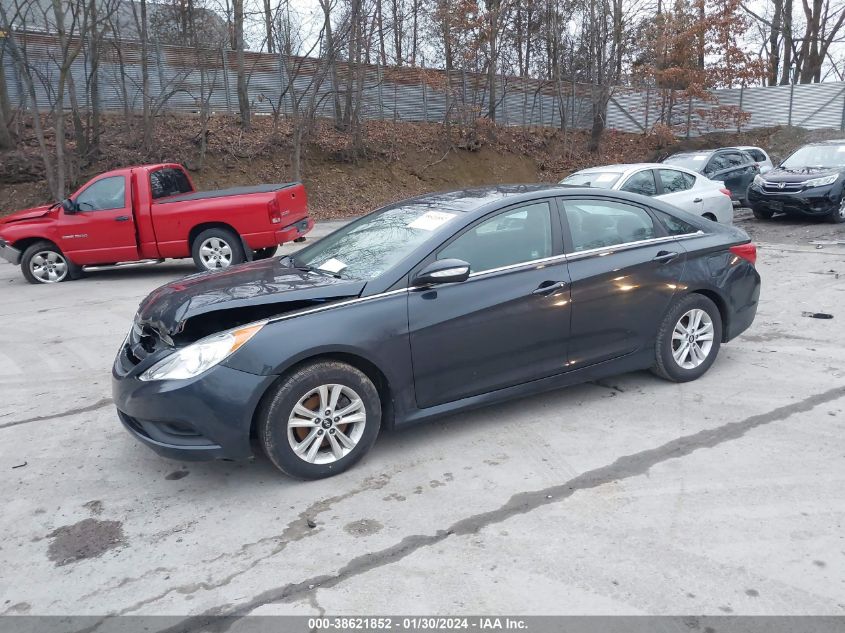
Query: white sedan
x=681 y=187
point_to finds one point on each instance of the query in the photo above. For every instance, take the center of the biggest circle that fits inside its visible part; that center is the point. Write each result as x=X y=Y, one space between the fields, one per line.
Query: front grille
x=142 y=341
x=788 y=187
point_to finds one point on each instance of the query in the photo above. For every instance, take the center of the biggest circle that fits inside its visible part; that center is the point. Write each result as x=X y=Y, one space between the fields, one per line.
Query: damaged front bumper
x=9 y=253
x=202 y=418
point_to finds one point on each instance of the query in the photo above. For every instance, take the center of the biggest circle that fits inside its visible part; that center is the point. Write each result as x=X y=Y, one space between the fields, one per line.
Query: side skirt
x=642 y=359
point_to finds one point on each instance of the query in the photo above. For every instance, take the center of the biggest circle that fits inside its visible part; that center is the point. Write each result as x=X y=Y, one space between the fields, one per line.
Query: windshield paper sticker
x=606 y=177
x=431 y=220
x=332 y=265
x=700 y=157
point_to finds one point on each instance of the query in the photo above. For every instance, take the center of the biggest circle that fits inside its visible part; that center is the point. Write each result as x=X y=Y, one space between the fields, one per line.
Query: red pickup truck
x=148 y=213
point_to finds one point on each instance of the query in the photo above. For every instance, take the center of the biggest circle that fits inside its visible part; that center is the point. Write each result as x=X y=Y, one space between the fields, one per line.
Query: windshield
x=600 y=179
x=696 y=162
x=817 y=156
x=367 y=247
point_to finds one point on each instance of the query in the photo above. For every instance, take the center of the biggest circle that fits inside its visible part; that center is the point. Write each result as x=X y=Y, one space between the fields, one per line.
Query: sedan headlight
x=821 y=182
x=759 y=181
x=201 y=356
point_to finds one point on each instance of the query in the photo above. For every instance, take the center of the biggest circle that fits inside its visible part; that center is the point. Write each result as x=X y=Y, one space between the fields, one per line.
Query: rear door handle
x=664 y=257
x=550 y=288
x=121 y=218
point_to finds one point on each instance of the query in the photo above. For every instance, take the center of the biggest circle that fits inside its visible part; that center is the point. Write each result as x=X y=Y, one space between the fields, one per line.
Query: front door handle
x=664 y=257
x=697 y=200
x=121 y=218
x=547 y=288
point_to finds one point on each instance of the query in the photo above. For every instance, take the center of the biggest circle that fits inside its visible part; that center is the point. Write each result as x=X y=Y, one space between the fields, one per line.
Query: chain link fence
x=182 y=79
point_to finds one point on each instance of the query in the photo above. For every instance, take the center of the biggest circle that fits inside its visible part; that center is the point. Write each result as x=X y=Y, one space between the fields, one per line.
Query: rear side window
x=642 y=183
x=169 y=182
x=675 y=226
x=674 y=180
x=512 y=237
x=601 y=223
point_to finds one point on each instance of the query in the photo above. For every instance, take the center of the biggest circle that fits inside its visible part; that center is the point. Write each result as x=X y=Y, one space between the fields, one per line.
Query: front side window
x=106 y=193
x=674 y=180
x=757 y=155
x=735 y=159
x=512 y=237
x=642 y=183
x=169 y=182
x=601 y=223
x=717 y=163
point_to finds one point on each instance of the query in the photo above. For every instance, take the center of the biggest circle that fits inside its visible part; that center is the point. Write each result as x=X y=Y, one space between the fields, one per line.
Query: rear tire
x=688 y=339
x=838 y=216
x=762 y=214
x=44 y=263
x=264 y=253
x=216 y=249
x=302 y=426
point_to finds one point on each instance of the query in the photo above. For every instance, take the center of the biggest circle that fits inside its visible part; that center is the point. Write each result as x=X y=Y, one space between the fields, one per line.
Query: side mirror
x=443 y=271
x=70 y=206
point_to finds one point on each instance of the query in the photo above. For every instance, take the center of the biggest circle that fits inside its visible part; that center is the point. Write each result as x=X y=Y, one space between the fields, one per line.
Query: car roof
x=746 y=147
x=626 y=168
x=474 y=198
x=835 y=141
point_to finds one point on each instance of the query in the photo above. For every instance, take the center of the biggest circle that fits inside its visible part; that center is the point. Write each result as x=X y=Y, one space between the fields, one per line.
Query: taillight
x=748 y=252
x=274 y=212
x=726 y=191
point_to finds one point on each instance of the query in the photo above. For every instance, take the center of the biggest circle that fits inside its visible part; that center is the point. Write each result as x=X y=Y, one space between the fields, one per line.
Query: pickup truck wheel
x=44 y=263
x=264 y=253
x=214 y=249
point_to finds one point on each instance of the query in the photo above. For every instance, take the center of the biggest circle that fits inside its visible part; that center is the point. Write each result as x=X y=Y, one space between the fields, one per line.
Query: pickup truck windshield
x=368 y=247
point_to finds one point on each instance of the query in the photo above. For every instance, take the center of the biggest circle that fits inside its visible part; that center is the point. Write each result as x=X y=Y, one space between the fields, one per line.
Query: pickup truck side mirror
x=70 y=206
x=443 y=271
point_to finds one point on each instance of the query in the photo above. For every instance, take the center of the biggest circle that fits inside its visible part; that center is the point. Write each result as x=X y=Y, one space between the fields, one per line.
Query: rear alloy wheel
x=762 y=214
x=214 y=249
x=688 y=340
x=320 y=420
x=44 y=263
x=838 y=216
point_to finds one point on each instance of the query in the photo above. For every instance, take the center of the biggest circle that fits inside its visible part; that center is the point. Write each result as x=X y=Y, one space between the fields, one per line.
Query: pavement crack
x=100 y=404
x=222 y=618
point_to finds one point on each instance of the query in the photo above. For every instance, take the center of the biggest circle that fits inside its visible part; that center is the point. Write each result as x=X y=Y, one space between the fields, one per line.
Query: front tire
x=688 y=339
x=838 y=216
x=217 y=248
x=319 y=420
x=762 y=214
x=44 y=263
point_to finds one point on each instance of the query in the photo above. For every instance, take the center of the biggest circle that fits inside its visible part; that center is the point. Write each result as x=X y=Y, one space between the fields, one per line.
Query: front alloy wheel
x=838 y=216
x=319 y=419
x=48 y=267
x=326 y=424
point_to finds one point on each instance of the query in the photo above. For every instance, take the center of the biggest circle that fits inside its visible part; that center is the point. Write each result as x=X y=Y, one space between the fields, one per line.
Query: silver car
x=679 y=186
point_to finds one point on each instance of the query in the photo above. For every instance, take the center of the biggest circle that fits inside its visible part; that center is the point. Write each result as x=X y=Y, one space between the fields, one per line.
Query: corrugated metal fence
x=183 y=78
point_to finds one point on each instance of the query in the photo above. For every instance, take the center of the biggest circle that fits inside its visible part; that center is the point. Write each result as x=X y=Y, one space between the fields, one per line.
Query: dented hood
x=263 y=284
x=27 y=214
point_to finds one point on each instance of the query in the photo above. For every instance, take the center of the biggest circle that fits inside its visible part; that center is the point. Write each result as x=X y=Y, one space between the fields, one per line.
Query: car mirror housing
x=69 y=206
x=443 y=271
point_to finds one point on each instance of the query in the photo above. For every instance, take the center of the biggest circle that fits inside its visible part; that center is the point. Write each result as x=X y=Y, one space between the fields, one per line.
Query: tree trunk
x=243 y=93
x=786 y=69
x=268 y=25
x=7 y=141
x=94 y=80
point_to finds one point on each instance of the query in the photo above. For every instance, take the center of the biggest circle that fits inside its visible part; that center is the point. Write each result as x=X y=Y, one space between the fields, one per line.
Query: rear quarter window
x=169 y=182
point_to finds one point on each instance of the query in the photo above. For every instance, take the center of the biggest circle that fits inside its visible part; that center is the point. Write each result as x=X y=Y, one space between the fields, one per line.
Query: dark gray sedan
x=426 y=307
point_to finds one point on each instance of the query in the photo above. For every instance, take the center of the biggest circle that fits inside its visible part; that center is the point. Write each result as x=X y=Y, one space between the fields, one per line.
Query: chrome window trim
x=529 y=264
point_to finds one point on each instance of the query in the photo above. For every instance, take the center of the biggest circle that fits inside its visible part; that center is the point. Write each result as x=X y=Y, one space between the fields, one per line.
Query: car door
x=102 y=230
x=641 y=182
x=676 y=187
x=508 y=323
x=624 y=270
x=731 y=168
